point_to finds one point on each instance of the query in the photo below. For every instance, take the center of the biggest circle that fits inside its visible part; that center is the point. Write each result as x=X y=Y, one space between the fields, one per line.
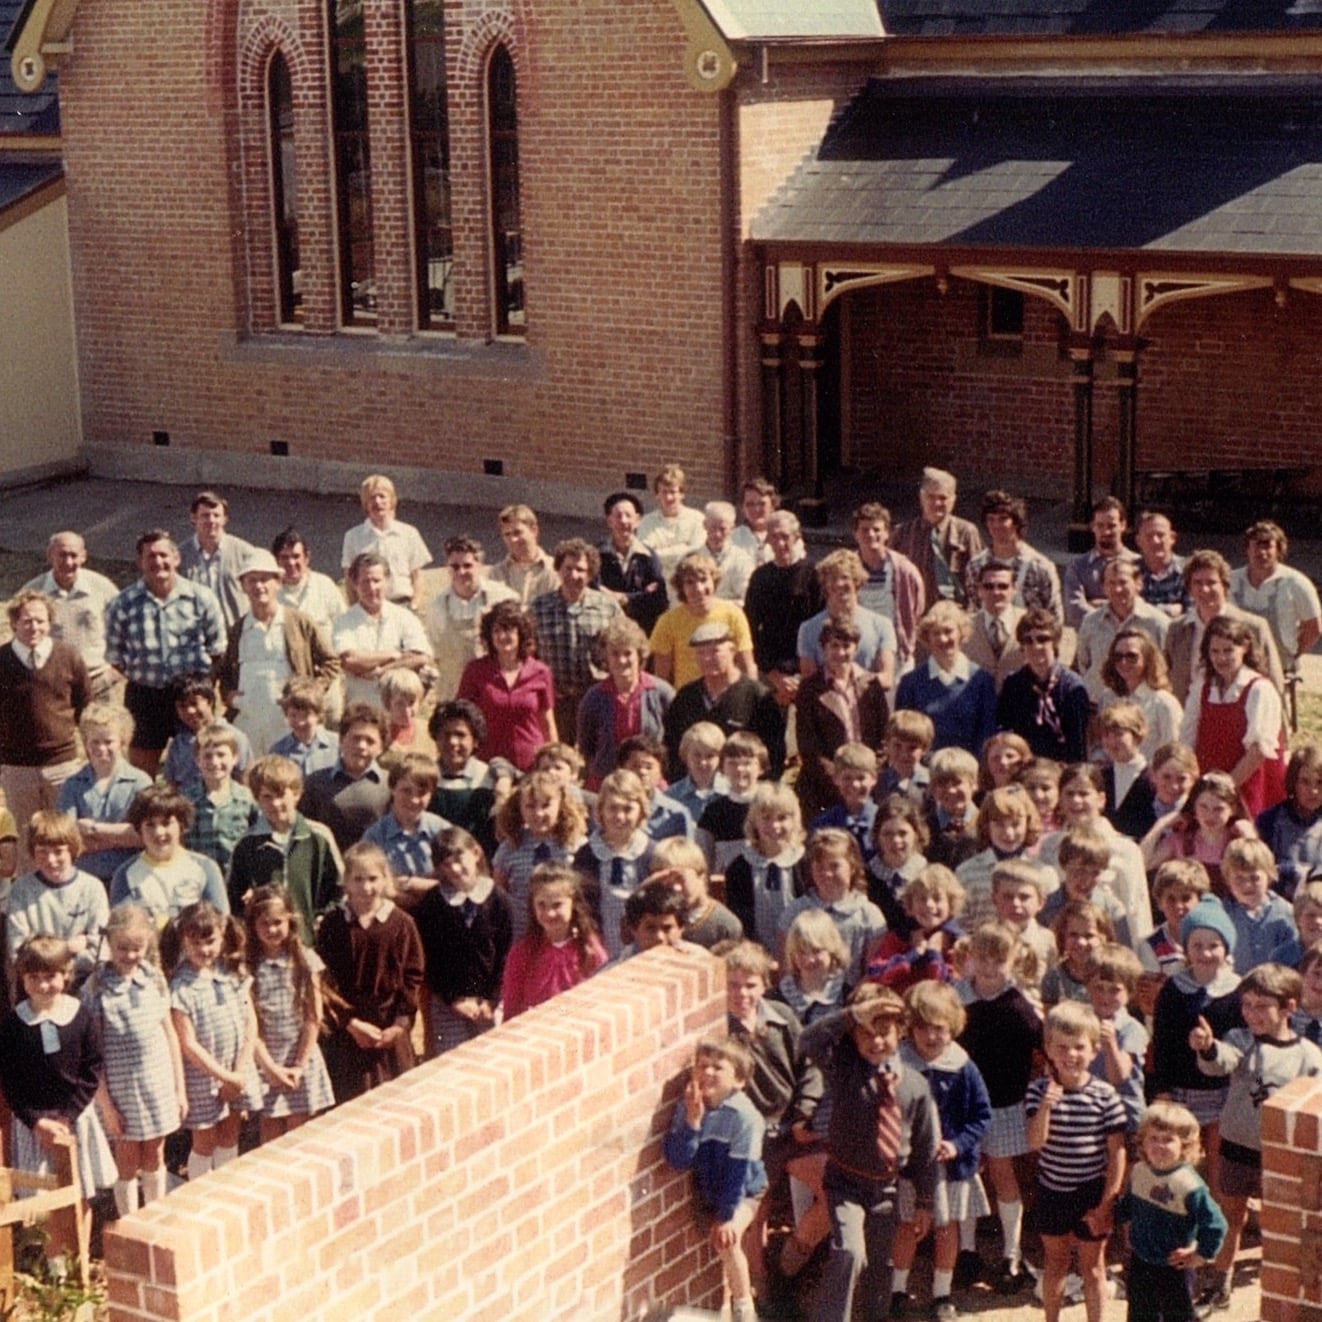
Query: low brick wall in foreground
x=1292 y=1204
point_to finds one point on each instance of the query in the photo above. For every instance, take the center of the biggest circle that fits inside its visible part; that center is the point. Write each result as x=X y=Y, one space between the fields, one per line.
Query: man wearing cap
x=631 y=573
x=271 y=643
x=213 y=557
x=724 y=695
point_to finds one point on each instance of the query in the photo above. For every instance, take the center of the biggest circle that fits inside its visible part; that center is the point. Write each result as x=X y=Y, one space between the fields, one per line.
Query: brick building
x=531 y=248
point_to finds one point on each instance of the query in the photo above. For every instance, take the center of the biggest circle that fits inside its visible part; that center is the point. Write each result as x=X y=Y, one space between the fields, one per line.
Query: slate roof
x=1026 y=18
x=21 y=113
x=1111 y=166
x=747 y=20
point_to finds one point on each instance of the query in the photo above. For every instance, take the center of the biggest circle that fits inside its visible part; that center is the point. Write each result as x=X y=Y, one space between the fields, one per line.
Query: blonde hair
x=366 y=852
x=1172 y=1118
x=1116 y=963
x=1072 y=1019
x=1008 y=804
x=374 y=483
x=623 y=785
x=768 y=798
x=1249 y=855
x=815 y=929
x=951 y=764
x=678 y=851
x=1308 y=895
x=935 y=879
x=106 y=716
x=835 y=841
x=855 y=757
x=750 y=959
x=1018 y=872
x=702 y=737
x=930 y=1002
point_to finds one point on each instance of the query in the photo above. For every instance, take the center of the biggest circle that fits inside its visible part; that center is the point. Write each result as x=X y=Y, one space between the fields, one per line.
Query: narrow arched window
x=429 y=129
x=284 y=192
x=507 y=236
x=353 y=172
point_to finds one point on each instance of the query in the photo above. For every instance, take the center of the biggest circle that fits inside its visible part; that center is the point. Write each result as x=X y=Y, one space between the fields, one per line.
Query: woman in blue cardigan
x=958 y=696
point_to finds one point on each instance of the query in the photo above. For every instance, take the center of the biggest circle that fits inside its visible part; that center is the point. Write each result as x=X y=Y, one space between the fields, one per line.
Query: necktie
x=617 y=873
x=996 y=632
x=889 y=1125
x=775 y=877
x=941 y=575
x=542 y=854
x=469 y=910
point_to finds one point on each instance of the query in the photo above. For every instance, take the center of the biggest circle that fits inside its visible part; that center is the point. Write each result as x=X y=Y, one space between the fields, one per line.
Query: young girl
x=467 y=929
x=374 y=965
x=1003 y=756
x=762 y=881
x=561 y=947
x=287 y=996
x=816 y=958
x=935 y=1019
x=143 y=1100
x=899 y=836
x=1008 y=827
x=1080 y=930
x=214 y=1017
x=932 y=901
x=1040 y=776
x=1211 y=818
x=1002 y=1036
x=618 y=855
x=837 y=887
x=539 y=823
x=1293 y=829
x=700 y=752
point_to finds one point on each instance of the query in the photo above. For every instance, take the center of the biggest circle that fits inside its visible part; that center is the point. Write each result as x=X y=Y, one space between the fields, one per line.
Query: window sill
x=422 y=353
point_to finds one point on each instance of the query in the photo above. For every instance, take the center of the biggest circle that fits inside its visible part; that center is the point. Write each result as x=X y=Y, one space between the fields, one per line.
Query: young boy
x=1263 y=921
x=526 y=570
x=909 y=735
x=654 y=916
x=223 y=810
x=854 y=775
x=952 y=817
x=1111 y=986
x=883 y=1125
x=1173 y=1221
x=646 y=758
x=1259 y=1058
x=308 y=745
x=769 y=1029
x=1076 y=1125
x=744 y=761
x=352 y=794
x=285 y=847
x=398 y=543
x=195 y=706
x=707 y=922
x=407 y=831
x=717 y=1134
x=700 y=751
x=1085 y=858
x=1017 y=898
x=1129 y=791
x=1179 y=884
x=469 y=791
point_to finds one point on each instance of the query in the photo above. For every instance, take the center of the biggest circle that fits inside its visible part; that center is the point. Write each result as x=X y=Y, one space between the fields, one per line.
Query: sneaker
x=1214 y=1299
x=968 y=1269
x=901 y=1304
x=944 y=1310
x=1011 y=1279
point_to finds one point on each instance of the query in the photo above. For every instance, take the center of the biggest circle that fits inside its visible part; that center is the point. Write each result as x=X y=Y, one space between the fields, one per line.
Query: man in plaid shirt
x=157 y=628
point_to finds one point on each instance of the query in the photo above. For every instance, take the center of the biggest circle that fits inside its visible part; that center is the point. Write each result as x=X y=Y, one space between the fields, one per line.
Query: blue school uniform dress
x=724 y=1153
x=761 y=891
x=515 y=862
x=280 y=1028
x=217 y=1004
x=609 y=878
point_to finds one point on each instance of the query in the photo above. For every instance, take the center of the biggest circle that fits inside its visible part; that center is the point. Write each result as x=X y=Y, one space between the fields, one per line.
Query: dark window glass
x=352 y=163
x=507 y=236
x=429 y=126
x=1005 y=313
x=284 y=190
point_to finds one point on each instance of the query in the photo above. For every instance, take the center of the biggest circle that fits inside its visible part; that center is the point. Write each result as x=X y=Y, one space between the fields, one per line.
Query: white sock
x=1012 y=1223
x=942 y=1284
x=198 y=1165
x=899 y=1280
x=800 y=1199
x=126 y=1197
x=224 y=1156
x=968 y=1235
x=153 y=1185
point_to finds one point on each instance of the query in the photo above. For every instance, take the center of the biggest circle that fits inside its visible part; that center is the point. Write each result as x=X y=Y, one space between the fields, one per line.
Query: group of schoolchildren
x=952 y=971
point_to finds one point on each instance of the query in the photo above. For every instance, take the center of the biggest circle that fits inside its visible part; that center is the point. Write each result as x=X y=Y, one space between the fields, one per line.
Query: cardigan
x=306 y=649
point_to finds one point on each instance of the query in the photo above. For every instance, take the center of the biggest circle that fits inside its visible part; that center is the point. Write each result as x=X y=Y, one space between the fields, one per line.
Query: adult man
x=992 y=644
x=43 y=690
x=735 y=565
x=452 y=617
x=78 y=598
x=1124 y=609
x=267 y=646
x=375 y=634
x=782 y=594
x=1207 y=581
x=893 y=587
x=759 y=500
x=317 y=595
x=1036 y=582
x=725 y=696
x=569 y=621
x=527 y=569
x=1280 y=594
x=158 y=628
x=1083 y=576
x=213 y=557
x=1161 y=568
x=630 y=572
x=939 y=544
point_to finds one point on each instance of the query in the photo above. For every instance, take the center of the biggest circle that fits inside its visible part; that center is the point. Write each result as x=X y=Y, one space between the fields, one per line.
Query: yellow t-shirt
x=673 y=630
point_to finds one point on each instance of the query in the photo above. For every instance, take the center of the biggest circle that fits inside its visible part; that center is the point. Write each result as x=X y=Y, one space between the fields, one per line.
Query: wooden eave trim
x=36 y=144
x=30 y=203
x=40 y=39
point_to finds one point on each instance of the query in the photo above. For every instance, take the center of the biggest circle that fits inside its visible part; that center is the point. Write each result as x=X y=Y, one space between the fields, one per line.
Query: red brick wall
x=1291 y=1216
x=520 y=1176
x=623 y=364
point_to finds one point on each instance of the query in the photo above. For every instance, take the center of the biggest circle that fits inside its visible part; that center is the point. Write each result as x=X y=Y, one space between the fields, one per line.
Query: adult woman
x=1233 y=719
x=1042 y=701
x=1135 y=671
x=695 y=581
x=842 y=703
x=627 y=702
x=958 y=696
x=511 y=688
x=841 y=575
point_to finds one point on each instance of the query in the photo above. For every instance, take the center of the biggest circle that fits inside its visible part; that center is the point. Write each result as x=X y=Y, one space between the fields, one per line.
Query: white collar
x=60 y=1014
x=35 y=657
x=482 y=888
x=960 y=671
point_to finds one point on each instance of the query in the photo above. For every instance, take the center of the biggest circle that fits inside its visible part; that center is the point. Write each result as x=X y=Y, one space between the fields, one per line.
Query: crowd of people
x=998 y=865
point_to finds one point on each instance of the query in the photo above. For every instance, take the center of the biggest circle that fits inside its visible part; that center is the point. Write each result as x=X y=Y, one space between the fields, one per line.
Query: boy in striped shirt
x=1076 y=1124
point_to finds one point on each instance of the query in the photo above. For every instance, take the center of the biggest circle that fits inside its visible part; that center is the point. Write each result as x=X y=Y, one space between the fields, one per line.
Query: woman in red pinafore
x=1233 y=720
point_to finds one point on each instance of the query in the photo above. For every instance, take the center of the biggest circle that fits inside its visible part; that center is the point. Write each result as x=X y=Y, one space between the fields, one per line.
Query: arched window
x=429 y=129
x=284 y=192
x=353 y=173
x=507 y=236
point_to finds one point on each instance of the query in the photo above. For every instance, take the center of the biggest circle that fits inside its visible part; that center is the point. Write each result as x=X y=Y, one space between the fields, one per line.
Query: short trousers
x=1061 y=1213
x=1239 y=1171
x=154 y=718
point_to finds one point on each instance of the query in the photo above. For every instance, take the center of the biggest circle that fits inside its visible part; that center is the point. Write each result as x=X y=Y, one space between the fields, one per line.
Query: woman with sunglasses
x=1135 y=671
x=1042 y=701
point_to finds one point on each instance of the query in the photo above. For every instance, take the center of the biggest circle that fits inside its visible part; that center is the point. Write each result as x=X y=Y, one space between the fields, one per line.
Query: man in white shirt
x=317 y=595
x=374 y=634
x=1280 y=594
x=399 y=544
x=452 y=618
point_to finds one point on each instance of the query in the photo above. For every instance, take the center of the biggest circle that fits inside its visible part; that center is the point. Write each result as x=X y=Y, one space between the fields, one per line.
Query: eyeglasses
x=1126 y=656
x=1038 y=639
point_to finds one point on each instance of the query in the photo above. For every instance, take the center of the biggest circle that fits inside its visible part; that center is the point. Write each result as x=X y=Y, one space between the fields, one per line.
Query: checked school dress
x=280 y=1028
x=217 y=1004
